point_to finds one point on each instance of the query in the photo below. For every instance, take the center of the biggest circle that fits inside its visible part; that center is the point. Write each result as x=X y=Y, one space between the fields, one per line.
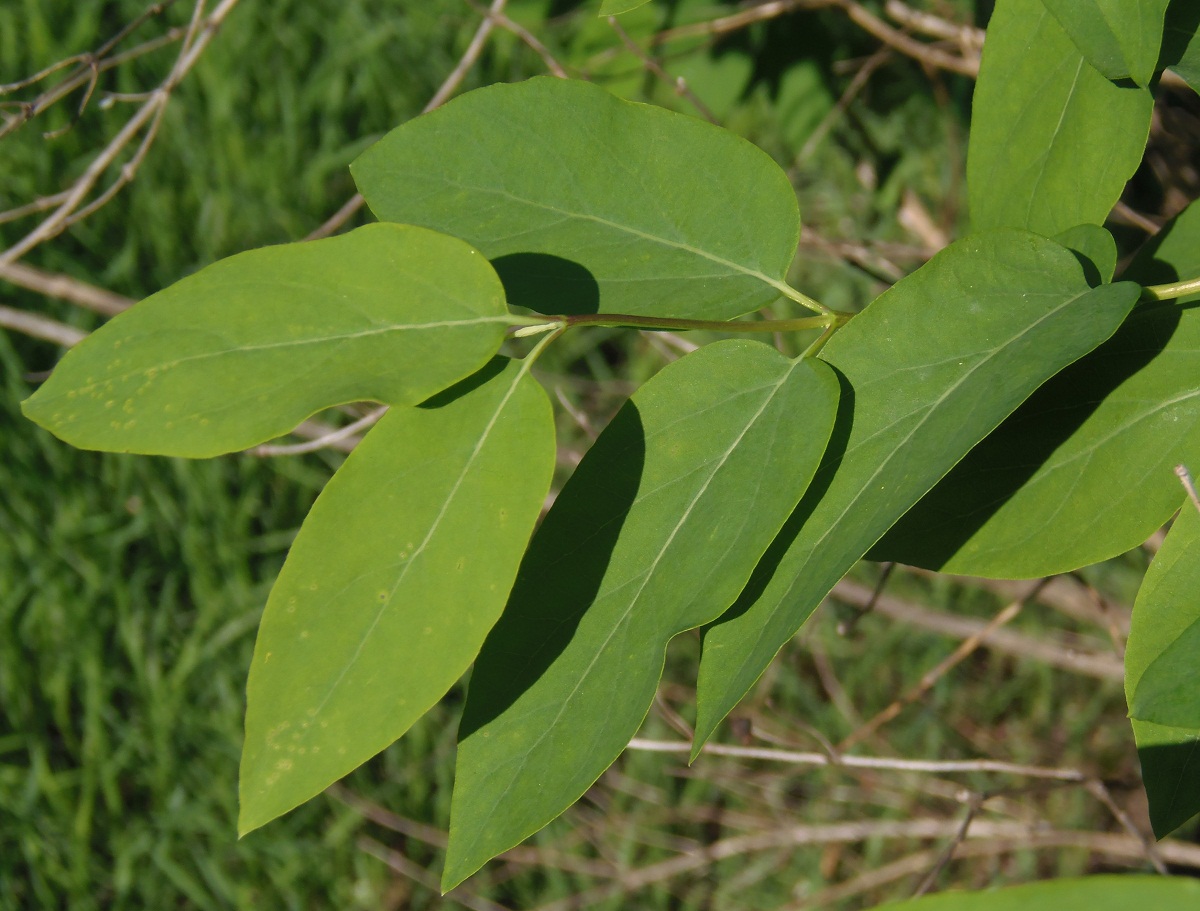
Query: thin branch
x=448 y=87
x=63 y=287
x=967 y=37
x=40 y=327
x=325 y=441
x=1017 y=836
x=1185 y=478
x=678 y=83
x=1098 y=790
x=526 y=36
x=929 y=766
x=200 y=33
x=1102 y=665
x=414 y=871
x=947 y=854
x=930 y=677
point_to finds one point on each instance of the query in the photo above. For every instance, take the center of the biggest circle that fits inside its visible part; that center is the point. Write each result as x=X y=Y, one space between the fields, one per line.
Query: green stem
x=656 y=322
x=1171 y=290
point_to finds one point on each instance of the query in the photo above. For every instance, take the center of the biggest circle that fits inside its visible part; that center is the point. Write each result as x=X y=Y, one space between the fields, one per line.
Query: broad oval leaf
x=928 y=370
x=1052 y=140
x=654 y=534
x=1087 y=893
x=247 y=348
x=393 y=582
x=1083 y=470
x=588 y=203
x=1166 y=611
x=1120 y=38
x=1095 y=249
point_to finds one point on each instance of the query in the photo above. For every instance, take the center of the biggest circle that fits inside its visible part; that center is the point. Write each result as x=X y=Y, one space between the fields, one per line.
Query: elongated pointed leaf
x=1166 y=610
x=1120 y=38
x=397 y=575
x=928 y=370
x=1089 y=893
x=1052 y=140
x=588 y=203
x=655 y=533
x=1083 y=470
x=247 y=348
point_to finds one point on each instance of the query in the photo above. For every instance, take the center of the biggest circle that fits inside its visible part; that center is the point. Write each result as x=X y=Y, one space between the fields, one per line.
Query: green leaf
x=247 y=348
x=1083 y=470
x=393 y=582
x=1052 y=141
x=1088 y=893
x=927 y=371
x=1096 y=251
x=1181 y=42
x=1166 y=610
x=1166 y=692
x=587 y=203
x=616 y=7
x=1120 y=38
x=655 y=533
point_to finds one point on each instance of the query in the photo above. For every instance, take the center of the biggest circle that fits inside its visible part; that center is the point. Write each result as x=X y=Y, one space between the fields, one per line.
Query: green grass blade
x=928 y=370
x=397 y=575
x=655 y=533
x=586 y=203
x=247 y=348
x=1052 y=140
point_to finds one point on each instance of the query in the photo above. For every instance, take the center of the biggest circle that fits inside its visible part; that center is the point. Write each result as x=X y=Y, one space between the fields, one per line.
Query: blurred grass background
x=130 y=588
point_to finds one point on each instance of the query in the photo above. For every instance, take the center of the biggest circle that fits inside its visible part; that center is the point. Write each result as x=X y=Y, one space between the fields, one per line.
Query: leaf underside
x=399 y=571
x=586 y=203
x=247 y=348
x=927 y=371
x=655 y=533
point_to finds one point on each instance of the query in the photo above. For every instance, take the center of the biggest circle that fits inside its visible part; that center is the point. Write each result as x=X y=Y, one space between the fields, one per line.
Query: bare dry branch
x=40 y=327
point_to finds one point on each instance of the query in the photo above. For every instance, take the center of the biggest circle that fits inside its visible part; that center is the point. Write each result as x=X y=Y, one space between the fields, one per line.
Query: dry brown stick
x=347 y=434
x=1016 y=835
x=530 y=39
x=1102 y=665
x=884 y=763
x=947 y=853
x=1097 y=789
x=735 y=21
x=967 y=37
x=932 y=676
x=414 y=871
x=40 y=327
x=431 y=835
x=448 y=87
x=677 y=83
x=92 y=64
x=864 y=73
x=200 y=33
x=63 y=287
x=924 y=53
